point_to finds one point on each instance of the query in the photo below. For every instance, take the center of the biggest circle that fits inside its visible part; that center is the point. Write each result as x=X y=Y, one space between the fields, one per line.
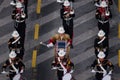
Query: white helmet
x=101 y=33
x=103 y=4
x=61 y=30
x=101 y=54
x=61 y=53
x=12 y=54
x=15 y=34
x=19 y=4
x=66 y=3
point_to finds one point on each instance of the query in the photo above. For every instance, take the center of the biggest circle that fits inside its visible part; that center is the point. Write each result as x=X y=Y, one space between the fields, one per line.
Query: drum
x=67 y=76
x=17 y=77
x=107 y=77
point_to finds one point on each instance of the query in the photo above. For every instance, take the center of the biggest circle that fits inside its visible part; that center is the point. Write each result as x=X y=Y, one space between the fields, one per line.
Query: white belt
x=60 y=69
x=103 y=21
x=67 y=19
x=20 y=21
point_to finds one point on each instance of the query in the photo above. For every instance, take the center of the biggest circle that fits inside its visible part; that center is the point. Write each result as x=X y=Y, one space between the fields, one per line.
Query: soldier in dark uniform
x=97 y=2
x=102 y=67
x=16 y=66
x=16 y=44
x=23 y=2
x=19 y=17
x=103 y=14
x=63 y=61
x=67 y=15
x=101 y=43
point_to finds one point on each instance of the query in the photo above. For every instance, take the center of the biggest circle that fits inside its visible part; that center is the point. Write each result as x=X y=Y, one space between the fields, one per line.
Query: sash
x=16 y=70
x=16 y=40
x=17 y=76
x=104 y=71
x=101 y=40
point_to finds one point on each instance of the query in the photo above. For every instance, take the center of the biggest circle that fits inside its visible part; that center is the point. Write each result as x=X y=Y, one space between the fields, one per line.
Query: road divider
x=34 y=56
x=38 y=9
x=119 y=58
x=36 y=31
x=119 y=5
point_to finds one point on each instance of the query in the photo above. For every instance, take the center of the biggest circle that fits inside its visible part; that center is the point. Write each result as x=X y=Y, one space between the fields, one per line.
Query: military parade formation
x=16 y=42
x=62 y=41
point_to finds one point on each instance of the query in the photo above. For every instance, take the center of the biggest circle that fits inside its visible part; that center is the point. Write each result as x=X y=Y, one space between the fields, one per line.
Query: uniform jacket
x=101 y=14
x=65 y=62
x=17 y=15
x=65 y=11
x=65 y=37
x=15 y=45
x=103 y=44
x=106 y=65
x=17 y=63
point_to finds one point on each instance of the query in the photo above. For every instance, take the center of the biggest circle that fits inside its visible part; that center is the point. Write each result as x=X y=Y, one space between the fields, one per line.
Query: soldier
x=101 y=43
x=16 y=66
x=64 y=67
x=103 y=66
x=58 y=38
x=103 y=14
x=19 y=17
x=16 y=44
x=67 y=15
x=98 y=2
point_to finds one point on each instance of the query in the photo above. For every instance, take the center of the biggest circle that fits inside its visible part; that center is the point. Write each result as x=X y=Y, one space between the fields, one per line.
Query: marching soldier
x=61 y=36
x=15 y=44
x=64 y=67
x=19 y=17
x=67 y=15
x=101 y=43
x=16 y=66
x=102 y=67
x=103 y=14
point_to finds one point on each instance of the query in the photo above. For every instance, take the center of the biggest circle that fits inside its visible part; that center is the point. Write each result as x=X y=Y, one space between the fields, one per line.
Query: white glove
x=72 y=12
x=50 y=45
x=3 y=72
x=107 y=13
x=93 y=71
x=110 y=72
x=71 y=71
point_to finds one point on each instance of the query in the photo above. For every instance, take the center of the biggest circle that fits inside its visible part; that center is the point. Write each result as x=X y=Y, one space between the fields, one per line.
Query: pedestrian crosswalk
x=80 y=55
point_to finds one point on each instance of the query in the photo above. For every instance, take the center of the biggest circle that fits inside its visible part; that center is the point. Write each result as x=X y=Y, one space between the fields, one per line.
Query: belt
x=60 y=69
x=103 y=21
x=67 y=19
x=20 y=21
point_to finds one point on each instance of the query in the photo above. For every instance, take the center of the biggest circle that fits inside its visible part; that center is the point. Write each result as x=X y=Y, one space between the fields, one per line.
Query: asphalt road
x=85 y=31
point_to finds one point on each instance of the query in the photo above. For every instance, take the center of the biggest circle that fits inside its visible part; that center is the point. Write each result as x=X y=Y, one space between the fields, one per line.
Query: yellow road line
x=34 y=56
x=36 y=32
x=38 y=9
x=119 y=30
x=119 y=58
x=119 y=5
